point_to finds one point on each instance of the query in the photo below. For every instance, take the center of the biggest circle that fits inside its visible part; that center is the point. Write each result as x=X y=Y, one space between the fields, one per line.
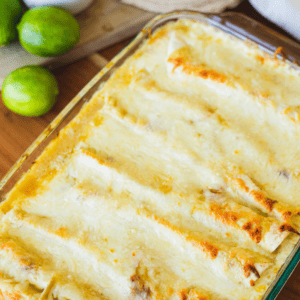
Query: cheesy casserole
x=179 y=180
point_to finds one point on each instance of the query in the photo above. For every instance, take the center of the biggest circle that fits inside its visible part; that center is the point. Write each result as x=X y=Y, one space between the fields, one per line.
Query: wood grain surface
x=102 y=24
x=18 y=132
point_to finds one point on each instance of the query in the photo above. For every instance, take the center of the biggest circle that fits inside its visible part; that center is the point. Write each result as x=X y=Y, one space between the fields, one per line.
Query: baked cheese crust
x=178 y=180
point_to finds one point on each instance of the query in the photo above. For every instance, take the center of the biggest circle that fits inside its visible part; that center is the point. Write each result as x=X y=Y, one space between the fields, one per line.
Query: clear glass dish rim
x=216 y=20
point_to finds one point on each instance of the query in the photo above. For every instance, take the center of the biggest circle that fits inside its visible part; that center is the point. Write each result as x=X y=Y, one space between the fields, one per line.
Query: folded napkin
x=163 y=6
x=285 y=13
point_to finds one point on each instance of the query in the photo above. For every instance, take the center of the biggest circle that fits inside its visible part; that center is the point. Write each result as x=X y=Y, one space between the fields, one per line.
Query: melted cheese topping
x=178 y=180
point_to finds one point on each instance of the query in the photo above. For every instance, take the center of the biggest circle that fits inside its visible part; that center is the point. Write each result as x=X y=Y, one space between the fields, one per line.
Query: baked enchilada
x=178 y=180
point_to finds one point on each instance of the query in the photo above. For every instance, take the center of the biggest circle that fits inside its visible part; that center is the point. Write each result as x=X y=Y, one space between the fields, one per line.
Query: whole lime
x=10 y=12
x=48 y=31
x=30 y=91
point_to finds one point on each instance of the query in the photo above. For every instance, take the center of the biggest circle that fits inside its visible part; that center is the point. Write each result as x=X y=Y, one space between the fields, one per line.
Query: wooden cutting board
x=104 y=23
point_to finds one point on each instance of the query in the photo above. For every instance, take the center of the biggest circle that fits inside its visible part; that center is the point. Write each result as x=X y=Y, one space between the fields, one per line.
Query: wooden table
x=17 y=132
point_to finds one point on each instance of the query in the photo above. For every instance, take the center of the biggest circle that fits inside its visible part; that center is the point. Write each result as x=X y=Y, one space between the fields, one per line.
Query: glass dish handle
x=243 y=26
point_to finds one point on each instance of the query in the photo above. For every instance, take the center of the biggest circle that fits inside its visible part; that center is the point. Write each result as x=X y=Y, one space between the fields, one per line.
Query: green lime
x=48 y=31
x=30 y=91
x=10 y=12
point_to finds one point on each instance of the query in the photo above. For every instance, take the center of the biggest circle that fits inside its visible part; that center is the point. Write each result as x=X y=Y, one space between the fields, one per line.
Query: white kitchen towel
x=285 y=13
x=164 y=6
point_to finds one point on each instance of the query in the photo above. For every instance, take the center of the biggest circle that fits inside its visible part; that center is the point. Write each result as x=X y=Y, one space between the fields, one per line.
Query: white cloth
x=164 y=6
x=285 y=13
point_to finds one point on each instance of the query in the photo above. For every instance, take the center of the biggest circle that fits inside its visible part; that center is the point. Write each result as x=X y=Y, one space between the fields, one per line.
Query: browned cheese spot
x=226 y=217
x=183 y=295
x=254 y=232
x=241 y=184
x=270 y=203
x=287 y=215
x=287 y=227
x=248 y=268
x=212 y=250
x=197 y=70
x=259 y=196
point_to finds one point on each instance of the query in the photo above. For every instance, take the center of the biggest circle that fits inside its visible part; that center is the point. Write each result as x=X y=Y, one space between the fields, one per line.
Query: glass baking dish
x=235 y=24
